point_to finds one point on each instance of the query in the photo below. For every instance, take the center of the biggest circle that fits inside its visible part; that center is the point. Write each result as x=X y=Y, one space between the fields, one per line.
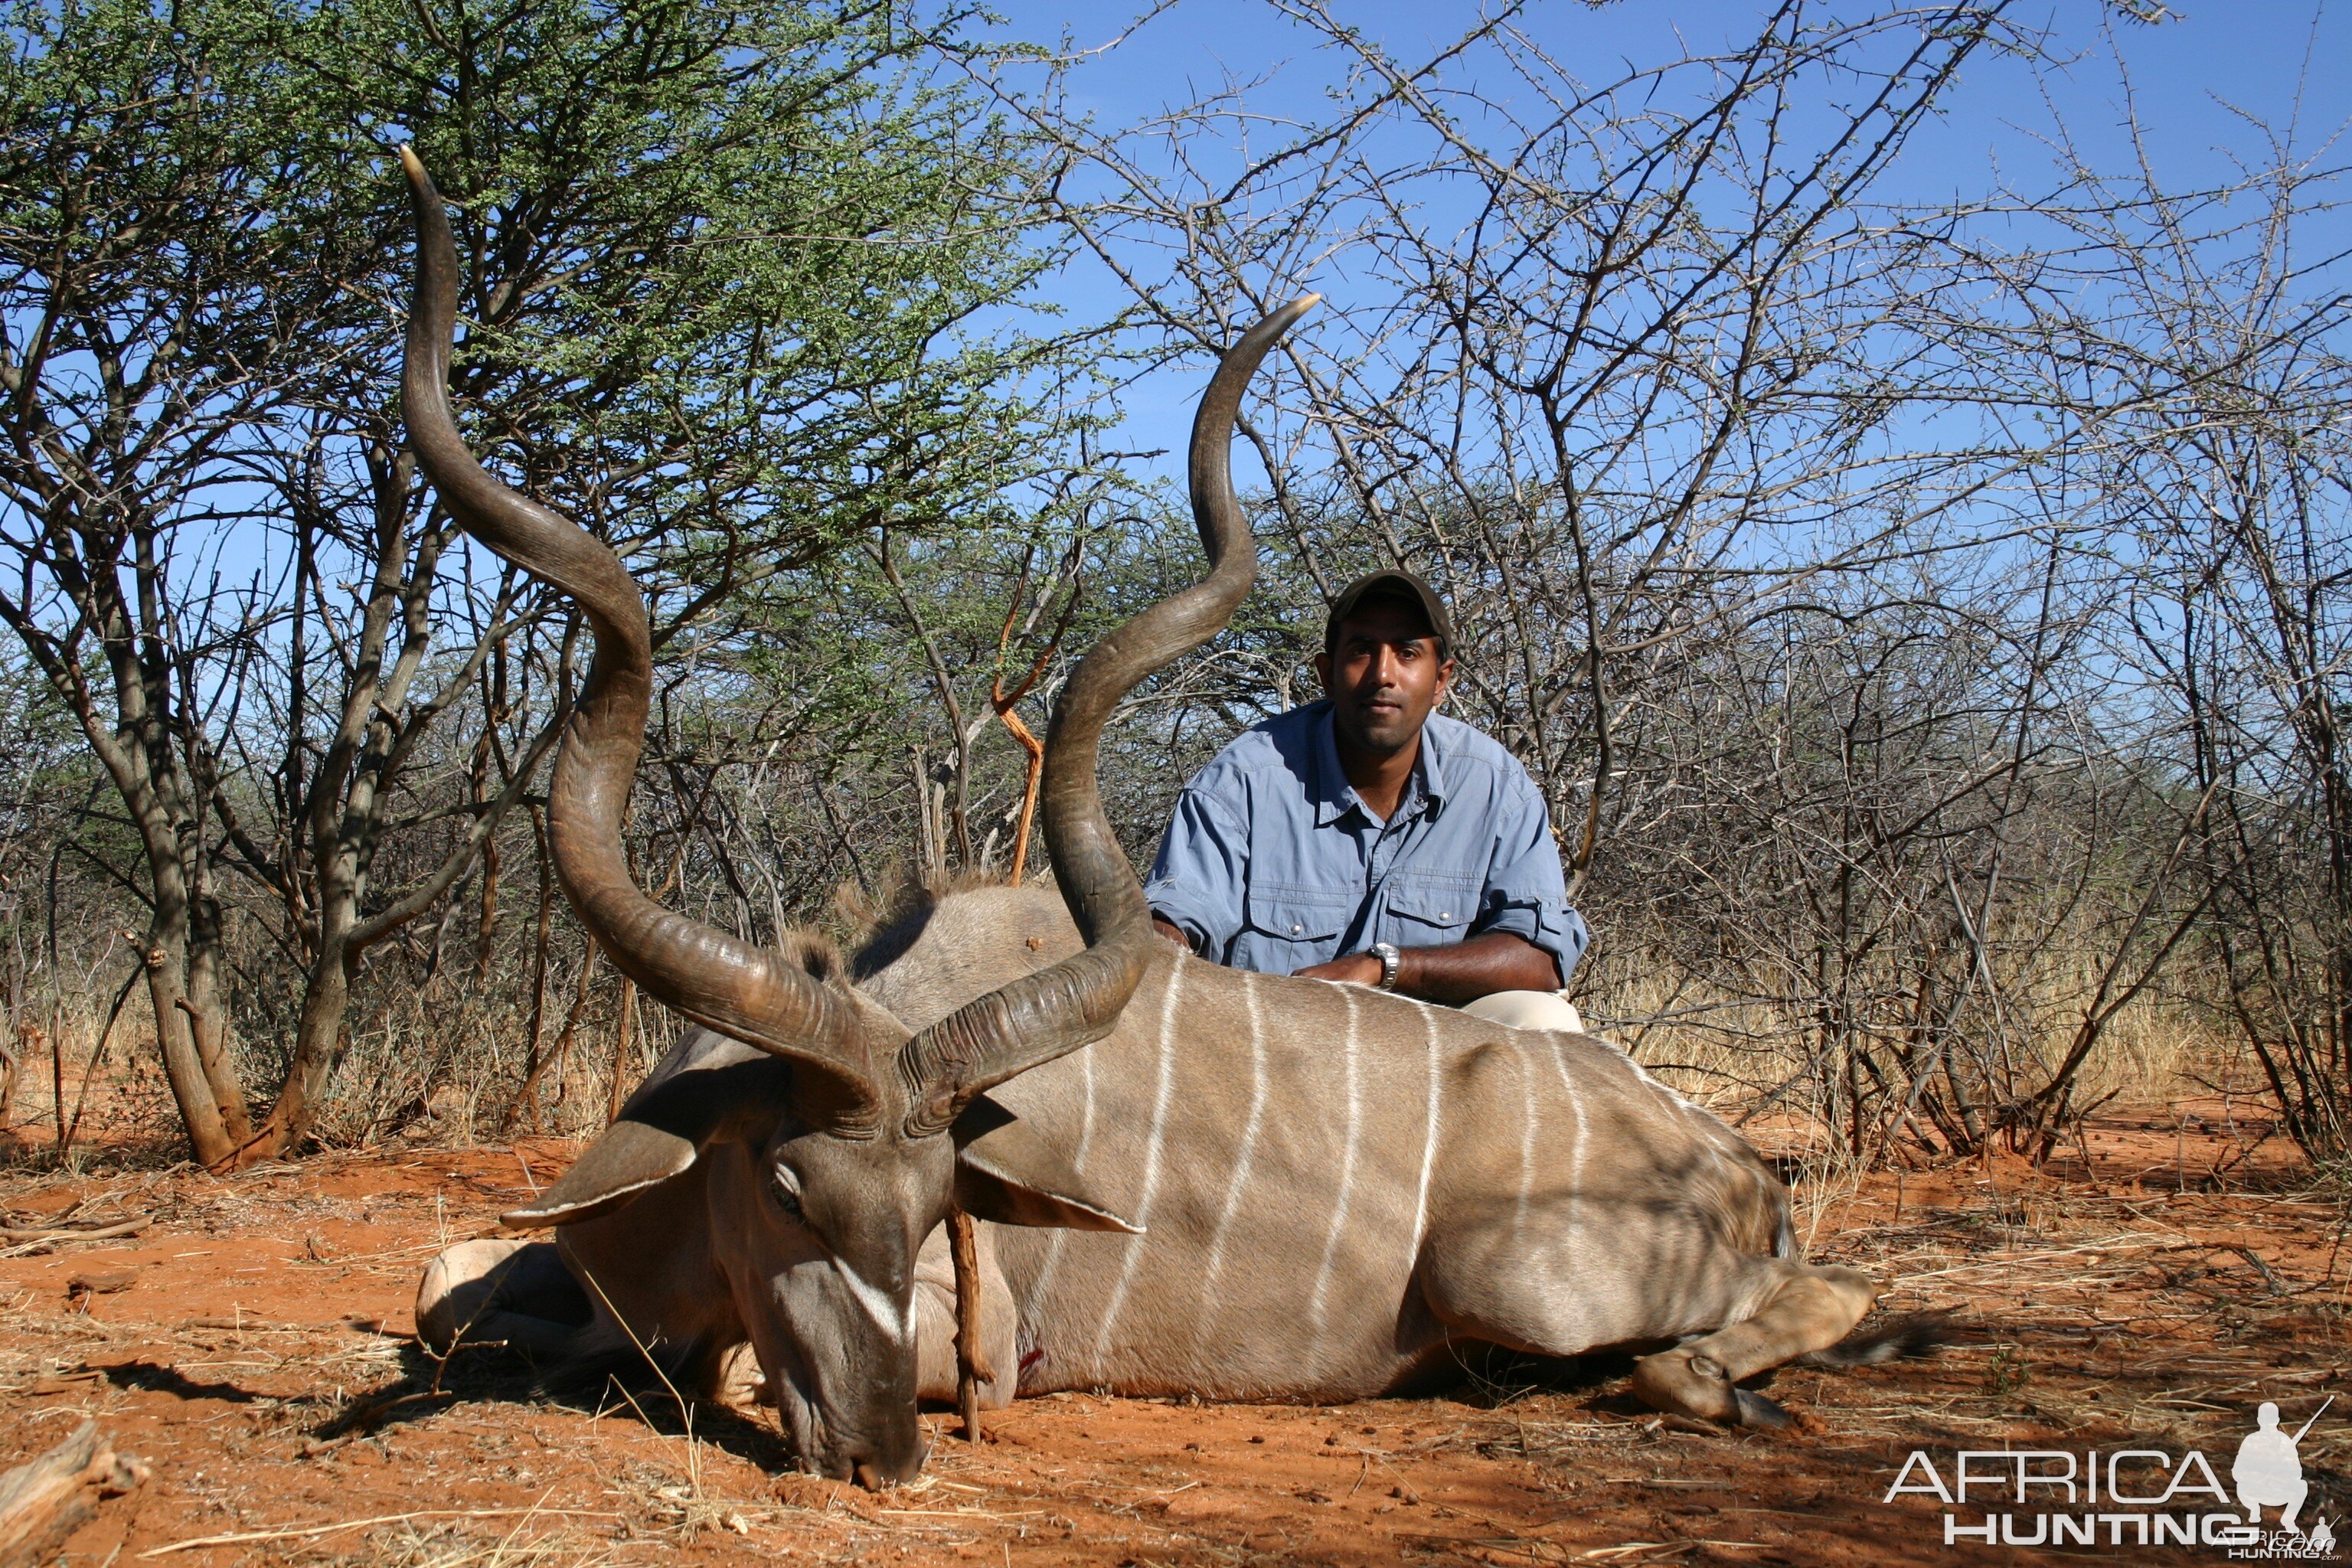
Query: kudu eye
x=785 y=1187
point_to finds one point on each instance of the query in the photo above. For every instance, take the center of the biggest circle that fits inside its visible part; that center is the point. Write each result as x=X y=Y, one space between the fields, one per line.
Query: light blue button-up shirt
x=1273 y=863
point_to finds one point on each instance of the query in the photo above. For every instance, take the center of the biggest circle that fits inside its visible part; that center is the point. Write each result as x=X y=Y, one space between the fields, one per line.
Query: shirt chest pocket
x=1292 y=914
x=1431 y=911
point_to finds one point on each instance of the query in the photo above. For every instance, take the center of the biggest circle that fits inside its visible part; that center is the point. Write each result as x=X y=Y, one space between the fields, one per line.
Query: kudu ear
x=1006 y=1173
x=662 y=1131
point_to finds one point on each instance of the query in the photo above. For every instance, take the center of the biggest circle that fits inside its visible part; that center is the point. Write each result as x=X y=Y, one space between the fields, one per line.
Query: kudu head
x=860 y=1133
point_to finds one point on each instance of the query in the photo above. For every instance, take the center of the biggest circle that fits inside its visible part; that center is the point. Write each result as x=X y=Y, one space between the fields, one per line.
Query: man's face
x=1383 y=675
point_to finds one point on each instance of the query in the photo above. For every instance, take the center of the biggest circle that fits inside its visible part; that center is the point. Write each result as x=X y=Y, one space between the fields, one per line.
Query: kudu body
x=1247 y=1186
x=1341 y=1191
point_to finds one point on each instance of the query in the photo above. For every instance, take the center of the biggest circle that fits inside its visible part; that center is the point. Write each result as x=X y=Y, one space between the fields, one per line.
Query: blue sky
x=2200 y=84
x=2188 y=74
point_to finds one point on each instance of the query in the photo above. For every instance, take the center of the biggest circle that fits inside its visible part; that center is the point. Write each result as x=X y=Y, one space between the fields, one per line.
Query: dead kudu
x=1246 y=1187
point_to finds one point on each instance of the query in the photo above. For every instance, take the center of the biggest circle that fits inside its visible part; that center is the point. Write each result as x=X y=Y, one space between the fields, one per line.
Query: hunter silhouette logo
x=2269 y=1472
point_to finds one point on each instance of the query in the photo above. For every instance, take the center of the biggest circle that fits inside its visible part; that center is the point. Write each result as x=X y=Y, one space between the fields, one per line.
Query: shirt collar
x=1334 y=797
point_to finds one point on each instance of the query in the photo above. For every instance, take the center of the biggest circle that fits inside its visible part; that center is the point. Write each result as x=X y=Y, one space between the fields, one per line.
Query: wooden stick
x=380 y=1519
x=1035 y=749
x=46 y=1500
x=971 y=1362
x=128 y=1228
x=81 y=1096
x=1003 y=702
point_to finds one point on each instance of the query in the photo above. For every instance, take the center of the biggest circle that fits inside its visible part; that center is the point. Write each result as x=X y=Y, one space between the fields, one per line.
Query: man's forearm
x=1498 y=960
x=1172 y=932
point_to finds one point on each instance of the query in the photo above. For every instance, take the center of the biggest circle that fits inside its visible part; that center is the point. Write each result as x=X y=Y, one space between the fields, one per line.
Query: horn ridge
x=1077 y=1001
x=708 y=976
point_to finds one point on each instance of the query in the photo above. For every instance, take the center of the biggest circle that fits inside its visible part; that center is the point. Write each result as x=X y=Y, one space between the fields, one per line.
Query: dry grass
x=438 y=1068
x=1729 y=1052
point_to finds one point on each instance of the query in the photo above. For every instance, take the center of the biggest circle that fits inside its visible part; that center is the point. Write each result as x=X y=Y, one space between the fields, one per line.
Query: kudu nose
x=877 y=1471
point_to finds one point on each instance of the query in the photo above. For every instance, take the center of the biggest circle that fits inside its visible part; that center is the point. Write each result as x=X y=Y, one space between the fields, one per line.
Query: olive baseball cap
x=1392 y=584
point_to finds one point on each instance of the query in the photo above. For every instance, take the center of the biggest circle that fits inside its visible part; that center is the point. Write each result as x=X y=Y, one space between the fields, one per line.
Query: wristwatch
x=1386 y=952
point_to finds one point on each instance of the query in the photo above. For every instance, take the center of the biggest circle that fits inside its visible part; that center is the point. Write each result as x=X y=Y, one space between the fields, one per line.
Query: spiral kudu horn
x=711 y=978
x=1056 y=1010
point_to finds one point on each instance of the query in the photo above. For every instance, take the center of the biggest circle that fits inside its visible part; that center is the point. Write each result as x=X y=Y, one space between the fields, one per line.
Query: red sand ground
x=257 y=1355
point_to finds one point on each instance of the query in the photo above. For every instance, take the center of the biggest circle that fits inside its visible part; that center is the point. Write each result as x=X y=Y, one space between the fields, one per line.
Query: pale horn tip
x=411 y=163
x=1270 y=330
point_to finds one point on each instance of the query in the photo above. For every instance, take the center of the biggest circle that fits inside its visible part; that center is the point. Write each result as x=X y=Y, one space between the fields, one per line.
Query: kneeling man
x=1367 y=837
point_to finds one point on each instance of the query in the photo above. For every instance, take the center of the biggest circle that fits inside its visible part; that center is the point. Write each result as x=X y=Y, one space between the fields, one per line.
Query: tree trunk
x=182 y=946
x=317 y=1038
x=208 y=1020
x=183 y=1070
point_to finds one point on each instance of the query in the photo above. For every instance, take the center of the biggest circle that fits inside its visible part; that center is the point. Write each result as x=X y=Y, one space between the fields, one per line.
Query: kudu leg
x=495 y=1291
x=1810 y=1307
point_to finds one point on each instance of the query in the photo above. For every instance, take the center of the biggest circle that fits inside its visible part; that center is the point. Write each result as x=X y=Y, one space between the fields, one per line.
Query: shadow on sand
x=497 y=1373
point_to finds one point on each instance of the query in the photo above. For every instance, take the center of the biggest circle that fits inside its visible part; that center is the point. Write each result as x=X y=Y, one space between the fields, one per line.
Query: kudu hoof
x=1691 y=1383
x=1682 y=1382
x=1755 y=1410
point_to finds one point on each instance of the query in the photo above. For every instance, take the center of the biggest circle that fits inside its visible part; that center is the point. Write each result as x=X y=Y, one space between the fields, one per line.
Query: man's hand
x=1361 y=967
x=1498 y=960
x=1172 y=932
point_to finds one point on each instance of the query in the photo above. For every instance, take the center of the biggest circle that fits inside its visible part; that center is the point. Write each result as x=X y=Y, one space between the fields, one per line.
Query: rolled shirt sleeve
x=1526 y=892
x=1199 y=879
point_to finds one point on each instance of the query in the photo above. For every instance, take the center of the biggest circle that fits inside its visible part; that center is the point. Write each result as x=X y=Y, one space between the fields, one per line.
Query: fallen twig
x=2278 y=1287
x=316 y=1529
x=104 y=1233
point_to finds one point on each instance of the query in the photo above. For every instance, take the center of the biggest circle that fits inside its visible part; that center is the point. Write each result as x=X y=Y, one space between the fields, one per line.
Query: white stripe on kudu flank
x=1520 y=1065
x=1428 y=1135
x=1041 y=1288
x=1251 y=1126
x=1151 y=1158
x=1347 y=1162
x=1569 y=1238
